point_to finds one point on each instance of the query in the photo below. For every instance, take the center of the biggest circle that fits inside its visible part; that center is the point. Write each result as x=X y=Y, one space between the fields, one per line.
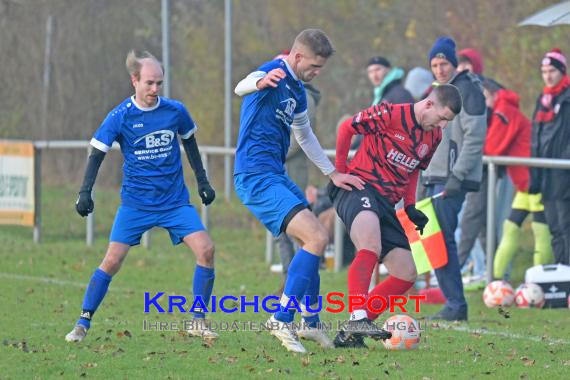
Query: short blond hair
x=317 y=41
x=134 y=64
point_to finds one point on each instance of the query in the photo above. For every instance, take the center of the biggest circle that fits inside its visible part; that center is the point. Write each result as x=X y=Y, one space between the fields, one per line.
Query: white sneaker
x=77 y=334
x=316 y=335
x=200 y=328
x=288 y=337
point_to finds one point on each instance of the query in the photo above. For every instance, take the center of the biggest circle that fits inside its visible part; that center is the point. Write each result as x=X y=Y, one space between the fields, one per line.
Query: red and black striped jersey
x=394 y=147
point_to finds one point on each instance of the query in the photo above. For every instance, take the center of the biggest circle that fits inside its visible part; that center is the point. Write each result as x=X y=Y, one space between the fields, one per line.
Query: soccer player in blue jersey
x=153 y=193
x=274 y=103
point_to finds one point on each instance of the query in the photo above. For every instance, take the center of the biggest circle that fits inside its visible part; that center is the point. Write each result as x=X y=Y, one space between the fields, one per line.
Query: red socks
x=360 y=274
x=390 y=286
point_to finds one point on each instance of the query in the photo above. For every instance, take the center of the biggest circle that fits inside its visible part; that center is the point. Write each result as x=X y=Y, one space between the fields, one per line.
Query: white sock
x=357 y=315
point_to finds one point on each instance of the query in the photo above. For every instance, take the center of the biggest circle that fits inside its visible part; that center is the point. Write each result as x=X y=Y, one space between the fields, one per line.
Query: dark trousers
x=557 y=215
x=449 y=276
x=473 y=222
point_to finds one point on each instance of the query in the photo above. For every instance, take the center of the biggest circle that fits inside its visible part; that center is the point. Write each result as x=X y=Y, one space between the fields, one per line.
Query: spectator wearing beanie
x=387 y=82
x=551 y=139
x=418 y=83
x=456 y=168
x=473 y=219
x=470 y=59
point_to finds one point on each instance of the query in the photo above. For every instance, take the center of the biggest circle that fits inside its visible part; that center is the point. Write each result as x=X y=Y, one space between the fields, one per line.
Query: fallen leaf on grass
x=119 y=351
x=231 y=359
x=504 y=313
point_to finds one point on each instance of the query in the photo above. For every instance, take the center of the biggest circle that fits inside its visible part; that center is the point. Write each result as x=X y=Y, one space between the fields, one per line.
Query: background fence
x=209 y=151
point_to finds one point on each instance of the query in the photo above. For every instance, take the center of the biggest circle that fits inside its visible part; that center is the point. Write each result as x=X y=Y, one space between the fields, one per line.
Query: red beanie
x=475 y=57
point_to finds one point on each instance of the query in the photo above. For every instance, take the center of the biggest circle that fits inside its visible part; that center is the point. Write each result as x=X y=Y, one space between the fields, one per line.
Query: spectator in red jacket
x=509 y=134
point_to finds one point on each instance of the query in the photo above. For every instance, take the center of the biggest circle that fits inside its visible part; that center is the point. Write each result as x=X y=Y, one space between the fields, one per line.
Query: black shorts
x=349 y=204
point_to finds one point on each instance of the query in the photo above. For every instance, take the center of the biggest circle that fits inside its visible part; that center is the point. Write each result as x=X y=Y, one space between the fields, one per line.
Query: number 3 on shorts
x=365 y=202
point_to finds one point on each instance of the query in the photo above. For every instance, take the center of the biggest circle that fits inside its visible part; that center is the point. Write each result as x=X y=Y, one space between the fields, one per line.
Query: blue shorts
x=130 y=223
x=270 y=197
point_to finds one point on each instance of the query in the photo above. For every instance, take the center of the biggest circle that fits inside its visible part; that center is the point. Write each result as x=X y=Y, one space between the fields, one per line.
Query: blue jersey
x=152 y=169
x=265 y=123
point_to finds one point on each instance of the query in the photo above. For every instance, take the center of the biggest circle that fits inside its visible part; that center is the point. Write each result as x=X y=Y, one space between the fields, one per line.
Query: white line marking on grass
x=55 y=281
x=504 y=334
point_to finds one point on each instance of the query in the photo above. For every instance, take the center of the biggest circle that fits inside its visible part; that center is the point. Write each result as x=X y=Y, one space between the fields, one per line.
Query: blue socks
x=94 y=294
x=302 y=270
x=203 y=285
x=311 y=317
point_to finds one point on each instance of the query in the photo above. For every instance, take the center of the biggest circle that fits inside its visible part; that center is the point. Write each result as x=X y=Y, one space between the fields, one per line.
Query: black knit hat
x=379 y=61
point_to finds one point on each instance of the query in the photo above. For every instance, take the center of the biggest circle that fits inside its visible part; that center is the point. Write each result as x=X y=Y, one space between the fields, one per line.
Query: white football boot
x=288 y=337
x=200 y=328
x=316 y=335
x=77 y=334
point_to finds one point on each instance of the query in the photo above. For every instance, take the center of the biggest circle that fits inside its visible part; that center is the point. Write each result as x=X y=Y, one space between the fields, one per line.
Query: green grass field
x=42 y=287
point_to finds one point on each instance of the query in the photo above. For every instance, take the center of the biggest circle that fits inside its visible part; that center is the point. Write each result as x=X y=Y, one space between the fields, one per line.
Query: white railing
x=491 y=161
x=205 y=151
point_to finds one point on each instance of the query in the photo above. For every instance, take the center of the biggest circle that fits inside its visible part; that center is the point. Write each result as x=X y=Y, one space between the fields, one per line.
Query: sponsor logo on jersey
x=290 y=106
x=138 y=125
x=400 y=159
x=286 y=115
x=157 y=138
x=399 y=137
x=423 y=150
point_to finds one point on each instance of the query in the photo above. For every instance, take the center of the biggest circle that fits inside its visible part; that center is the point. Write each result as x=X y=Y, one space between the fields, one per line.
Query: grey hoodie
x=461 y=149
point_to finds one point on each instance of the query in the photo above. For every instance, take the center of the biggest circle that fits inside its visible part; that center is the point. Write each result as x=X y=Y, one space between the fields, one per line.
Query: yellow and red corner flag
x=429 y=249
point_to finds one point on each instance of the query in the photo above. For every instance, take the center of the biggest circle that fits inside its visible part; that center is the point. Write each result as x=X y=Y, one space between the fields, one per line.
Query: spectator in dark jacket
x=387 y=82
x=551 y=139
x=456 y=167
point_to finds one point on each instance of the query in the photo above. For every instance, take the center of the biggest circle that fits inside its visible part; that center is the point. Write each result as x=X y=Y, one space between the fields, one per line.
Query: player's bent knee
x=111 y=265
x=321 y=239
x=205 y=254
x=411 y=273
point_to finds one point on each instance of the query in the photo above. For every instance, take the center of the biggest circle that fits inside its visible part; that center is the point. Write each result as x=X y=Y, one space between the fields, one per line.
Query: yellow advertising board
x=17 y=183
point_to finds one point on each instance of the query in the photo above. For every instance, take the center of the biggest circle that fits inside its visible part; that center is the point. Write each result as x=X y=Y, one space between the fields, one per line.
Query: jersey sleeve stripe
x=99 y=145
x=189 y=133
x=301 y=120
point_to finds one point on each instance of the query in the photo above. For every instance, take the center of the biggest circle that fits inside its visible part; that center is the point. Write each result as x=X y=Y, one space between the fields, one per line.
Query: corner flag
x=429 y=249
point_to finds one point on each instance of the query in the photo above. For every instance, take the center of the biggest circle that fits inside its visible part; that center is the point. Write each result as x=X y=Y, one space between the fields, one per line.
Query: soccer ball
x=498 y=293
x=405 y=333
x=529 y=295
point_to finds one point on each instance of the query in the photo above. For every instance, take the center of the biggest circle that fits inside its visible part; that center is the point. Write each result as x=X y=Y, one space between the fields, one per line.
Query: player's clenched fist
x=271 y=79
x=207 y=193
x=417 y=217
x=84 y=204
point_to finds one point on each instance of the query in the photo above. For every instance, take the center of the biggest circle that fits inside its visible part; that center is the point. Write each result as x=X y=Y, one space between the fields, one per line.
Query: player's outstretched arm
x=312 y=148
x=259 y=80
x=84 y=204
x=206 y=192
